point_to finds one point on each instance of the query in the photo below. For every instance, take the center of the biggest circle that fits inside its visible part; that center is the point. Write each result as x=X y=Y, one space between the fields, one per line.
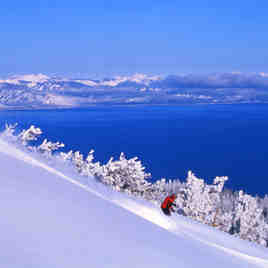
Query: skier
x=167 y=204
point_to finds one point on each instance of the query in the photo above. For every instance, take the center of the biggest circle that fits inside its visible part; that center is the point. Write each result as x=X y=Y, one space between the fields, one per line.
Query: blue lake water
x=210 y=140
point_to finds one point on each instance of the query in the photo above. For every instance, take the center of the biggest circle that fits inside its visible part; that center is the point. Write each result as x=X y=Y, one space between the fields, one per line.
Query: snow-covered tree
x=196 y=197
x=91 y=168
x=214 y=200
x=48 y=147
x=77 y=160
x=227 y=211
x=30 y=134
x=264 y=205
x=250 y=216
x=199 y=200
x=162 y=188
x=9 y=130
x=66 y=156
x=125 y=175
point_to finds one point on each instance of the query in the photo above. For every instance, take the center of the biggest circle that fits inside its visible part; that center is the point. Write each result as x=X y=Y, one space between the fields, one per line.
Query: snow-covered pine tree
x=78 y=161
x=48 y=147
x=199 y=200
x=66 y=156
x=126 y=175
x=159 y=191
x=227 y=212
x=193 y=198
x=214 y=200
x=91 y=168
x=30 y=134
x=264 y=205
x=162 y=188
x=75 y=158
x=250 y=216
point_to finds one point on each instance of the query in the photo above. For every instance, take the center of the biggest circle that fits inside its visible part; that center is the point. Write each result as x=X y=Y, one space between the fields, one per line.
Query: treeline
x=236 y=213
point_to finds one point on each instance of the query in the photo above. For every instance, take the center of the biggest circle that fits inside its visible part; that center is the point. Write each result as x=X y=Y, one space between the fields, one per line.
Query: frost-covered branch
x=31 y=134
x=49 y=147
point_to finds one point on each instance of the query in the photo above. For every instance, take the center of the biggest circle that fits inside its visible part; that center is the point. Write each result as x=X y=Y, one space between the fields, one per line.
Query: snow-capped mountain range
x=39 y=90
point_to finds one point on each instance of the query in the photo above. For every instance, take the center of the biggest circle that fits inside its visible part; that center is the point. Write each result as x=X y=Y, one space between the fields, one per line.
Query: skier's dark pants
x=166 y=211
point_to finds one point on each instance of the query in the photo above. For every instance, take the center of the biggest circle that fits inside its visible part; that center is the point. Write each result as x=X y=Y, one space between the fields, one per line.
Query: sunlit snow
x=52 y=218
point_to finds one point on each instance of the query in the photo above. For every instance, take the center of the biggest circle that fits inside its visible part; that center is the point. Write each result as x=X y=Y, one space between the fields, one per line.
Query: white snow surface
x=33 y=79
x=60 y=100
x=52 y=218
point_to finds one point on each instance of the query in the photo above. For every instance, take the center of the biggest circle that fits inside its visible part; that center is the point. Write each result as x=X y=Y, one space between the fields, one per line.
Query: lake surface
x=210 y=140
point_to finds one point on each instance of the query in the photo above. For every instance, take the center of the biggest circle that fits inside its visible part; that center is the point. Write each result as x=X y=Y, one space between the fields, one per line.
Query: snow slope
x=51 y=218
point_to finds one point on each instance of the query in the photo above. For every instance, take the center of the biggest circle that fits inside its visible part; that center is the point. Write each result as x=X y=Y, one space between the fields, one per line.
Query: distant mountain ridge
x=39 y=90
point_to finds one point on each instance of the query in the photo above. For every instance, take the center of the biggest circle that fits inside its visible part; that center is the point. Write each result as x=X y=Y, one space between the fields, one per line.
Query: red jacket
x=168 y=202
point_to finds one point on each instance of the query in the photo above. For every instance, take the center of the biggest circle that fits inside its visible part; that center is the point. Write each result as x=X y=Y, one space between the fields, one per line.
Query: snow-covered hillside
x=42 y=91
x=52 y=218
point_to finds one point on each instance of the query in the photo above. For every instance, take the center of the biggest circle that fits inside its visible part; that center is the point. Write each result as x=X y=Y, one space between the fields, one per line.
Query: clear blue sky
x=151 y=36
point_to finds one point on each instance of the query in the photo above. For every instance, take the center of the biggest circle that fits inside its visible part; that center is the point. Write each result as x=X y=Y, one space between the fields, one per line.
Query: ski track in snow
x=150 y=214
x=176 y=228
